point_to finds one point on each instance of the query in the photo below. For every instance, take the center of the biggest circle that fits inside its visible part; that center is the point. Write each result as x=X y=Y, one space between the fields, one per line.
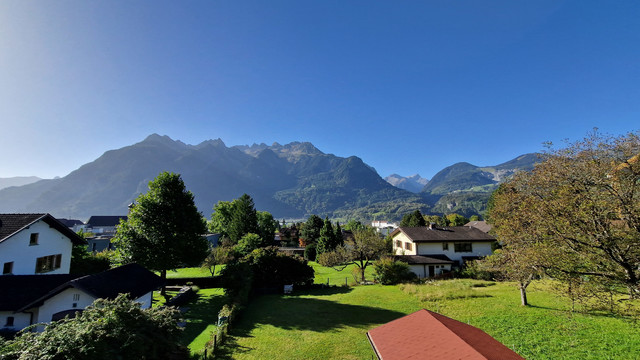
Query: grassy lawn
x=202 y=317
x=338 y=277
x=191 y=272
x=332 y=323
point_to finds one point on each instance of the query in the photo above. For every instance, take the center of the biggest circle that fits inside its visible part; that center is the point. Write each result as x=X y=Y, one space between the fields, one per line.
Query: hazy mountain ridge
x=291 y=180
x=17 y=181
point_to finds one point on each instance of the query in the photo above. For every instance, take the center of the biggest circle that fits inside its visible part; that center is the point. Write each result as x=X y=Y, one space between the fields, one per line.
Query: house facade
x=431 y=250
x=35 y=285
x=33 y=244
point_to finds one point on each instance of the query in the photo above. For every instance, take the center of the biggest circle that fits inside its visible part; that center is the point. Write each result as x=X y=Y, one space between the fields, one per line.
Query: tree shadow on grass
x=328 y=290
x=201 y=312
x=297 y=313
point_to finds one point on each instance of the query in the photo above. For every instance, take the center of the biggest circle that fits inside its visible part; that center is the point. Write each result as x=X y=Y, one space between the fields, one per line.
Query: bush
x=473 y=270
x=274 y=269
x=390 y=272
x=108 y=329
x=310 y=252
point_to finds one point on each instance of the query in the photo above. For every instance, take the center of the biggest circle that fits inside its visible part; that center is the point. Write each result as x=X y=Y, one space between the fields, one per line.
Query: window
x=407 y=246
x=7 y=268
x=9 y=322
x=445 y=246
x=33 y=240
x=399 y=244
x=462 y=247
x=48 y=263
x=76 y=297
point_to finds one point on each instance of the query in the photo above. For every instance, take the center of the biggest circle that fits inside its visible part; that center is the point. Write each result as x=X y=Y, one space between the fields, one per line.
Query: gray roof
x=480 y=225
x=11 y=224
x=454 y=233
x=131 y=279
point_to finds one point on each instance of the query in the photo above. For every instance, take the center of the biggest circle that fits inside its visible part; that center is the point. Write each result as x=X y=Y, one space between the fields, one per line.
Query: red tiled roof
x=428 y=335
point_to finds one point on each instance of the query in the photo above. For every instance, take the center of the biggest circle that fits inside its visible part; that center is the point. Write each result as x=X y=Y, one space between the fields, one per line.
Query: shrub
x=108 y=329
x=310 y=252
x=274 y=269
x=387 y=271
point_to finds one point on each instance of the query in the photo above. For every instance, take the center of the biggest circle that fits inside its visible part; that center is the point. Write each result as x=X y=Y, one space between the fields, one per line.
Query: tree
x=364 y=247
x=338 y=235
x=84 y=263
x=579 y=210
x=327 y=240
x=221 y=218
x=354 y=225
x=435 y=219
x=244 y=218
x=267 y=226
x=218 y=255
x=413 y=219
x=456 y=220
x=311 y=230
x=474 y=218
x=248 y=243
x=108 y=329
x=164 y=230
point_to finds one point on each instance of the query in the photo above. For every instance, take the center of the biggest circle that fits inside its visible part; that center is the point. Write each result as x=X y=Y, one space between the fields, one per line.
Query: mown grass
x=332 y=323
x=324 y=275
x=201 y=316
x=191 y=272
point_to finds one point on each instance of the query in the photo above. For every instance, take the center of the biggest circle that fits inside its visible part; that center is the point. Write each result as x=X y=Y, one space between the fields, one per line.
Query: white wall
x=23 y=255
x=61 y=302
x=422 y=271
x=479 y=248
x=145 y=300
x=402 y=250
x=20 y=320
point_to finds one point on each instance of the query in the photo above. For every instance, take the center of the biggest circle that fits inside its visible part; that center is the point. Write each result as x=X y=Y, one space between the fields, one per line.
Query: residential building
x=431 y=251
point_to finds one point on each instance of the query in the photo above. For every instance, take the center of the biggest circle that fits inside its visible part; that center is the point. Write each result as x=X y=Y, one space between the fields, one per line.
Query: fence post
x=346 y=281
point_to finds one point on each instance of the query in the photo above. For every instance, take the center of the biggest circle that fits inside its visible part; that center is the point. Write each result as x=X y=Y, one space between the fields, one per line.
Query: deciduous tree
x=164 y=230
x=363 y=248
x=581 y=206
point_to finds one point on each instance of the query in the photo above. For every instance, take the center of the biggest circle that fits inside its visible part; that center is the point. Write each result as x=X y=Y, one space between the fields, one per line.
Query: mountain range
x=292 y=181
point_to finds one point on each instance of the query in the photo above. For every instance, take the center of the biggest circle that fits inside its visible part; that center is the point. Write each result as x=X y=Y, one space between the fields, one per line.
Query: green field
x=191 y=272
x=334 y=277
x=331 y=323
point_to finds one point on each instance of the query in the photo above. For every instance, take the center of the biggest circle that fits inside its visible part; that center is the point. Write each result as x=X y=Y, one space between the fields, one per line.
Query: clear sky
x=408 y=86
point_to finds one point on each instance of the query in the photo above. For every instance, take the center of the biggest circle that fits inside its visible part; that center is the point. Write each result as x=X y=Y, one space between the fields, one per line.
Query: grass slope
x=332 y=323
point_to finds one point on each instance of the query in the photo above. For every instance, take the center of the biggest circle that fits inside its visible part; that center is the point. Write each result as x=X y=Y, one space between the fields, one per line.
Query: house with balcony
x=432 y=250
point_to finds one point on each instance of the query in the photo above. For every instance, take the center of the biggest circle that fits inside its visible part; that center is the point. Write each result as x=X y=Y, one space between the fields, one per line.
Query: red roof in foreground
x=428 y=335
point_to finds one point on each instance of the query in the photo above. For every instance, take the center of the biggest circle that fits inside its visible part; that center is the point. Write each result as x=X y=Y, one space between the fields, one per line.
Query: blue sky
x=408 y=86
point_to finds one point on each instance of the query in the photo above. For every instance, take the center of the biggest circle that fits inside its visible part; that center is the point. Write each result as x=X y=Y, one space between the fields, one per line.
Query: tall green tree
x=311 y=230
x=221 y=218
x=338 y=235
x=413 y=219
x=267 y=227
x=580 y=207
x=164 y=230
x=327 y=239
x=244 y=218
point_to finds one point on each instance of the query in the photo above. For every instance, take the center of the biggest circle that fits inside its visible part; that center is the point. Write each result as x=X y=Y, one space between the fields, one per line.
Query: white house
x=36 y=287
x=431 y=251
x=35 y=244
